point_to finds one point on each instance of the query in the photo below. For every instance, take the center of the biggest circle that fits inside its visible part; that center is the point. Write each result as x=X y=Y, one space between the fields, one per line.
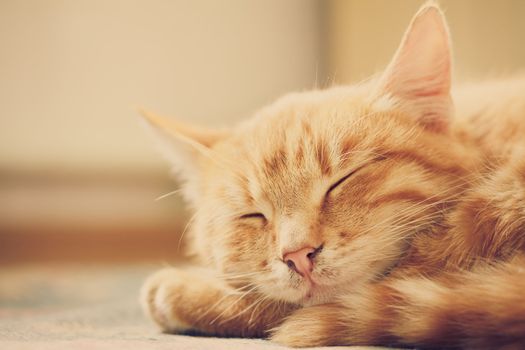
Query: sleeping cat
x=390 y=212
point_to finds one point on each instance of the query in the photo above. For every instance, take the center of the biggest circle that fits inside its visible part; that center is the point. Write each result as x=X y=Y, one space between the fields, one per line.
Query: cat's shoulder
x=494 y=91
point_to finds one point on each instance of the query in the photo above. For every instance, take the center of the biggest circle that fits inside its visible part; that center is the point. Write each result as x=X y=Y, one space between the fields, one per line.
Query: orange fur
x=418 y=214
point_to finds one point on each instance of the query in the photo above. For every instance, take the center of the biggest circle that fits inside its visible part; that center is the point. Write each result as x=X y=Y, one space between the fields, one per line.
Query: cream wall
x=72 y=155
x=361 y=36
x=72 y=73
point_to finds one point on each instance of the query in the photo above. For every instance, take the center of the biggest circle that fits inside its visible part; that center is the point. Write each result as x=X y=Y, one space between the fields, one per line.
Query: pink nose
x=301 y=260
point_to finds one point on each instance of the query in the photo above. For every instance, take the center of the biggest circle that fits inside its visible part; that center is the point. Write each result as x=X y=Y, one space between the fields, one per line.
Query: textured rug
x=89 y=307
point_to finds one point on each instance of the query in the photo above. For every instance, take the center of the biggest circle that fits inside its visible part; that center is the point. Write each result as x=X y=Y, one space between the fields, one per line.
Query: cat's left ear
x=420 y=72
x=186 y=147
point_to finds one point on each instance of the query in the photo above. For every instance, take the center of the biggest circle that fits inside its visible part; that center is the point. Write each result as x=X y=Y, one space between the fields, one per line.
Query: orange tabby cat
x=383 y=213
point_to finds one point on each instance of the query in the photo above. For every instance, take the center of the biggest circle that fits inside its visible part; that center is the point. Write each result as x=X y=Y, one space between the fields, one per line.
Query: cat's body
x=370 y=214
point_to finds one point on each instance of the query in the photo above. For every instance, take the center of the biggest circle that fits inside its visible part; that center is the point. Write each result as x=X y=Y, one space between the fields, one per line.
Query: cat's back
x=492 y=114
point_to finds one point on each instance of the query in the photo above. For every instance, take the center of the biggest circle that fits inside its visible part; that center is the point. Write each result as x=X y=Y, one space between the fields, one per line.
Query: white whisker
x=168 y=194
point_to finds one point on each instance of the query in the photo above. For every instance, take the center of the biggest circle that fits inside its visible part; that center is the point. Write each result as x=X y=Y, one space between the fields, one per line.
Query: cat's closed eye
x=347 y=176
x=340 y=181
x=253 y=216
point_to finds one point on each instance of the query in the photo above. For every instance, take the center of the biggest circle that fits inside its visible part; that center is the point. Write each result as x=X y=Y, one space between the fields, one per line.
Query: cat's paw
x=161 y=296
x=311 y=326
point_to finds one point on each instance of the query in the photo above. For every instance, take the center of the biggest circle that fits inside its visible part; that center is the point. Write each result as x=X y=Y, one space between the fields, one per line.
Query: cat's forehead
x=295 y=148
x=300 y=143
x=319 y=112
x=307 y=123
x=289 y=172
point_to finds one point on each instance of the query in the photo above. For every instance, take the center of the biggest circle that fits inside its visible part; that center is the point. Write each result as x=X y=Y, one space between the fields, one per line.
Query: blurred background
x=79 y=176
x=80 y=226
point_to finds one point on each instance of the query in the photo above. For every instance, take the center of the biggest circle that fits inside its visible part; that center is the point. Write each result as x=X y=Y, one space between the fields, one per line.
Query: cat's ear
x=185 y=146
x=420 y=72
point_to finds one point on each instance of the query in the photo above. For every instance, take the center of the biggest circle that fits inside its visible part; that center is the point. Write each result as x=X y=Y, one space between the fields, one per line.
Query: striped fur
x=420 y=213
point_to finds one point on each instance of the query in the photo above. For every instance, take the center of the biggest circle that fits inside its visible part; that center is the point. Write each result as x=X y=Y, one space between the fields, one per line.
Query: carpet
x=89 y=307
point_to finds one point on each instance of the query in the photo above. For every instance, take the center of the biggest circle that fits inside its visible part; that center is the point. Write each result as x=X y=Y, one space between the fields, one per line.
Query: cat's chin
x=314 y=299
x=306 y=294
x=316 y=294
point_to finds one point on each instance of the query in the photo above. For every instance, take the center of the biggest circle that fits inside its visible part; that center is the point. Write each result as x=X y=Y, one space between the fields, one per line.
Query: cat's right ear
x=183 y=145
x=420 y=72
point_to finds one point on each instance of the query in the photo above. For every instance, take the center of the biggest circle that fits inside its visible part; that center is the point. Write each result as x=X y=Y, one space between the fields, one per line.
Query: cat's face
x=350 y=173
x=328 y=170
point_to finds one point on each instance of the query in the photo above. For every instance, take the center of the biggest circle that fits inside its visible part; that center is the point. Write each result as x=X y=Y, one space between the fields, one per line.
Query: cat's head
x=323 y=190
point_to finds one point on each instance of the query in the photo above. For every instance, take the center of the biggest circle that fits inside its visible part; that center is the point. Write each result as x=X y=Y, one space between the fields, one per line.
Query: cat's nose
x=301 y=261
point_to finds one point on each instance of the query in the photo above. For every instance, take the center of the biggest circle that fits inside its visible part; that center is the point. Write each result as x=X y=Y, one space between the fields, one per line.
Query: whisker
x=188 y=224
x=226 y=309
x=168 y=194
x=218 y=302
x=246 y=309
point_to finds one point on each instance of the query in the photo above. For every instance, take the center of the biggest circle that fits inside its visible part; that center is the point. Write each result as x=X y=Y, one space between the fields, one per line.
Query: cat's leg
x=481 y=309
x=179 y=300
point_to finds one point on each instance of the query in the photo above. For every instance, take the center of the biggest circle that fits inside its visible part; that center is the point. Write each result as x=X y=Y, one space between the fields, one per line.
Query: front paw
x=311 y=326
x=161 y=295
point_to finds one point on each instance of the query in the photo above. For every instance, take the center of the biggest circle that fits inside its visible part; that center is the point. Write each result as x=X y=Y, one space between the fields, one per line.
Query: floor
x=88 y=307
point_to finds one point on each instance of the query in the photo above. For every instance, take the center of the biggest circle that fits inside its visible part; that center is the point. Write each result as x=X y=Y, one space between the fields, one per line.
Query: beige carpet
x=88 y=307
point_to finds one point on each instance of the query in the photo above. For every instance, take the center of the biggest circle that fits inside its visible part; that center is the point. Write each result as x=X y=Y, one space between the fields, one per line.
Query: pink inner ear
x=420 y=71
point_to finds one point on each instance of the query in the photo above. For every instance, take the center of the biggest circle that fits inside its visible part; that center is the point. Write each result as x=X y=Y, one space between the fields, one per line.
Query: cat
x=391 y=212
